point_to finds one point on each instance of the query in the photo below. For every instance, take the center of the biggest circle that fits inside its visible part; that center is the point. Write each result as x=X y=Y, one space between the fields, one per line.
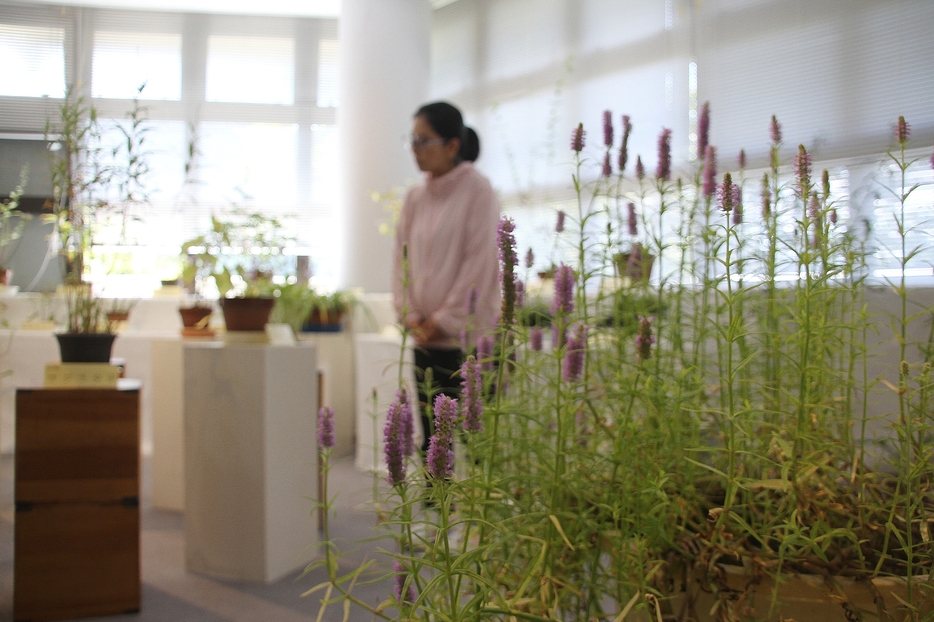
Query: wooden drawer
x=74 y=560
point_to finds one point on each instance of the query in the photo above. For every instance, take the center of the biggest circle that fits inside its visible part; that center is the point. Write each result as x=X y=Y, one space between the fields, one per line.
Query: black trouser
x=444 y=365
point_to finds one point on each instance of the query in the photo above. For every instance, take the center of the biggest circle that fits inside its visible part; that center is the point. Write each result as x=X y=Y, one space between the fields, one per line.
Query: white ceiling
x=291 y=8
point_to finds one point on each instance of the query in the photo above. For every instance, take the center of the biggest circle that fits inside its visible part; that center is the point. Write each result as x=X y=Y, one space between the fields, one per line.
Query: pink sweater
x=449 y=225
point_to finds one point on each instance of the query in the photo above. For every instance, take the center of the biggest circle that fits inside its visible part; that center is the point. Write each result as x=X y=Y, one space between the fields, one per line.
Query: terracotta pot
x=192 y=316
x=6 y=275
x=637 y=264
x=247 y=314
x=118 y=316
x=85 y=347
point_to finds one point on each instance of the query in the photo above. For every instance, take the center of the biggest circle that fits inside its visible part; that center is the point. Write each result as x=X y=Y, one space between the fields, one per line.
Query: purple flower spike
x=577 y=138
x=631 y=219
x=574 y=356
x=737 y=208
x=703 y=129
x=394 y=444
x=408 y=424
x=833 y=216
x=776 y=130
x=325 y=427
x=640 y=169
x=741 y=160
x=508 y=261
x=644 y=338
x=472 y=395
x=559 y=224
x=607 y=128
x=564 y=290
x=932 y=160
x=440 y=450
x=485 y=352
x=535 y=338
x=803 y=170
x=766 y=197
x=529 y=258
x=663 y=170
x=607 y=167
x=401 y=576
x=624 y=146
x=814 y=208
x=520 y=294
x=726 y=193
x=902 y=130
x=710 y=171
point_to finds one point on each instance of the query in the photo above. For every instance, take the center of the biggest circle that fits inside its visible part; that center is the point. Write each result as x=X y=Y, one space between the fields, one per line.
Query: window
x=259 y=70
x=124 y=61
x=32 y=61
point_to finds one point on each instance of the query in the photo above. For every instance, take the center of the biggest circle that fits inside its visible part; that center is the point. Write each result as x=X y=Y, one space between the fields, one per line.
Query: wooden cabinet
x=76 y=535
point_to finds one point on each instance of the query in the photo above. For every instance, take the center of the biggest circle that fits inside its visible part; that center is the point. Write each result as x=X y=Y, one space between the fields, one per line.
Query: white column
x=384 y=77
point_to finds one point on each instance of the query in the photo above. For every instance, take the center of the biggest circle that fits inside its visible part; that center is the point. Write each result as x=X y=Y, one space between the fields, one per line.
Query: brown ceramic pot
x=247 y=313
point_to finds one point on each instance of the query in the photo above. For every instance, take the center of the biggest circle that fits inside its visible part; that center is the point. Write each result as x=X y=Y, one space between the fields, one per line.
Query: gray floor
x=170 y=594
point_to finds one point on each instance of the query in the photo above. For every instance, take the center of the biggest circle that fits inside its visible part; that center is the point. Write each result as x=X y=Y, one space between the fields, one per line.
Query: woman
x=446 y=273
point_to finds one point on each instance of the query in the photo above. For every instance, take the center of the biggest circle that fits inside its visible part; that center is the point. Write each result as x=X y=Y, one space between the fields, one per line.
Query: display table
x=250 y=459
x=376 y=359
x=76 y=535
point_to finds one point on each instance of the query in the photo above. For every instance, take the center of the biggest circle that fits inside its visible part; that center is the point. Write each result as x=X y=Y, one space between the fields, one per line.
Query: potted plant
x=294 y=301
x=12 y=222
x=89 y=333
x=327 y=311
x=90 y=183
x=239 y=255
x=635 y=263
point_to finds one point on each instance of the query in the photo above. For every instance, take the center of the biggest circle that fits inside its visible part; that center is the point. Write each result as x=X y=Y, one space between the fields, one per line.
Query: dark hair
x=470 y=145
x=446 y=120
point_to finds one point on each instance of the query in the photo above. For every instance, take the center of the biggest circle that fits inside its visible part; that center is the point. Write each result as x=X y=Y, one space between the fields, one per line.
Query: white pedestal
x=335 y=362
x=250 y=459
x=168 y=426
x=377 y=363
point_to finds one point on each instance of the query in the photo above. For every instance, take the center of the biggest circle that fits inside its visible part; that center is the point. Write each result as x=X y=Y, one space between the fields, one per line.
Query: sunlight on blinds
x=123 y=61
x=32 y=61
x=610 y=24
x=523 y=36
x=250 y=163
x=327 y=73
x=245 y=69
x=453 y=52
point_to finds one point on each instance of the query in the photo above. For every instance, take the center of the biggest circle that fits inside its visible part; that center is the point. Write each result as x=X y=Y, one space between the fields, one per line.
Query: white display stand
x=335 y=362
x=377 y=371
x=250 y=459
x=168 y=426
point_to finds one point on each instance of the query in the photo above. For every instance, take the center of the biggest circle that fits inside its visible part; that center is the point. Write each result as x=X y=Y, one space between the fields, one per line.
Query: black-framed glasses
x=417 y=142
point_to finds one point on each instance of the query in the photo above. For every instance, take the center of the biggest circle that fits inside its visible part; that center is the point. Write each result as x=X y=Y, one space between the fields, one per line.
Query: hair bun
x=470 y=145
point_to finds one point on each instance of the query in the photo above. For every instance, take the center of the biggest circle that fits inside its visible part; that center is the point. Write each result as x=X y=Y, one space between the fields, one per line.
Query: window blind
x=32 y=61
x=122 y=63
x=836 y=79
